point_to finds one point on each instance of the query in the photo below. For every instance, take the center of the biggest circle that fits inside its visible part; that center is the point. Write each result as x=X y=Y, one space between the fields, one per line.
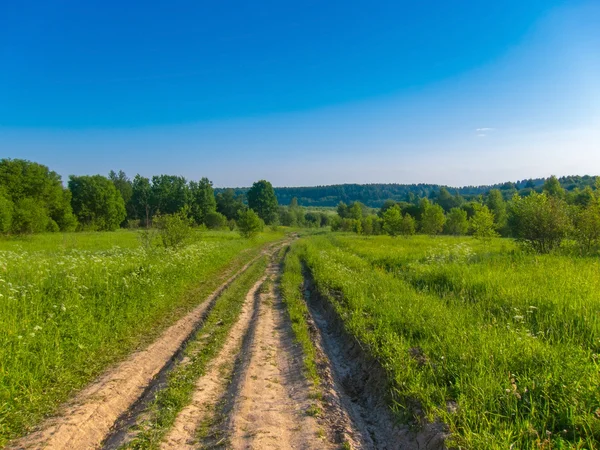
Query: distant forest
x=374 y=195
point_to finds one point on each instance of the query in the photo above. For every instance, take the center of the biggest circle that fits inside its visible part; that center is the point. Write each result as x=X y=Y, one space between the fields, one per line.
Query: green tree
x=539 y=221
x=392 y=221
x=174 y=229
x=457 y=222
x=447 y=201
x=27 y=184
x=355 y=211
x=496 y=204
x=141 y=199
x=262 y=199
x=342 y=210
x=249 y=223
x=229 y=204
x=408 y=225
x=30 y=217
x=125 y=188
x=6 y=213
x=96 y=202
x=169 y=194
x=587 y=227
x=432 y=219
x=553 y=188
x=482 y=224
x=203 y=200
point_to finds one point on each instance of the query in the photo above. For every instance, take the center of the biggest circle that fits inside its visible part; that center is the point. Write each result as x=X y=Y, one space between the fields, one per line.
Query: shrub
x=249 y=224
x=215 y=220
x=174 y=229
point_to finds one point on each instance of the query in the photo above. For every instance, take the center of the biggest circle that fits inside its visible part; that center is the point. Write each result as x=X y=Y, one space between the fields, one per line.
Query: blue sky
x=303 y=93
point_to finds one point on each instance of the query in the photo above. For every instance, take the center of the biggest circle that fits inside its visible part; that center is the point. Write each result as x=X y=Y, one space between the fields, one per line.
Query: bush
x=174 y=229
x=587 y=233
x=215 y=220
x=539 y=221
x=482 y=223
x=6 y=214
x=249 y=224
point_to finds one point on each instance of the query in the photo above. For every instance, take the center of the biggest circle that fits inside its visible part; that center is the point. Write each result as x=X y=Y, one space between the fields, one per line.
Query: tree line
x=541 y=220
x=34 y=200
x=375 y=195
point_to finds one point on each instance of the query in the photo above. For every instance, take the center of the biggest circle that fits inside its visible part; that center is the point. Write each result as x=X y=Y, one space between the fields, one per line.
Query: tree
x=141 y=199
x=6 y=213
x=25 y=184
x=96 y=202
x=433 y=219
x=457 y=222
x=355 y=211
x=587 y=227
x=202 y=199
x=553 y=188
x=496 y=204
x=482 y=224
x=447 y=201
x=408 y=225
x=174 y=229
x=169 y=194
x=262 y=199
x=125 y=188
x=342 y=210
x=249 y=223
x=229 y=204
x=392 y=221
x=539 y=221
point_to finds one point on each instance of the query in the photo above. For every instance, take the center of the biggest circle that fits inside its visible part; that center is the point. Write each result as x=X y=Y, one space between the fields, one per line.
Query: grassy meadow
x=73 y=303
x=499 y=344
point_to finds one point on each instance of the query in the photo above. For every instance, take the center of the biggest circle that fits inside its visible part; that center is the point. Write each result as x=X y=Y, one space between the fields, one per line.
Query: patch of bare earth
x=85 y=421
x=270 y=405
x=213 y=385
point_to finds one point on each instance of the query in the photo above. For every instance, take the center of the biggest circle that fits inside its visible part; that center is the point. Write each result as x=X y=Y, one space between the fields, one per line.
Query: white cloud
x=482 y=135
x=484 y=129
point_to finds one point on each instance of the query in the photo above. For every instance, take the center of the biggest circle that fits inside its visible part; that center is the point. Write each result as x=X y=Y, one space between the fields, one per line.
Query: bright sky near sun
x=303 y=92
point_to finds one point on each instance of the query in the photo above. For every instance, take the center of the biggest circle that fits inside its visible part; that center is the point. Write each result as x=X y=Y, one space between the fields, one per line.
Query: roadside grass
x=499 y=373
x=292 y=285
x=181 y=382
x=72 y=304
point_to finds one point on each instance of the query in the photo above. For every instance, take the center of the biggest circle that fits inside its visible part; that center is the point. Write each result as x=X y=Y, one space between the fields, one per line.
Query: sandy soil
x=272 y=408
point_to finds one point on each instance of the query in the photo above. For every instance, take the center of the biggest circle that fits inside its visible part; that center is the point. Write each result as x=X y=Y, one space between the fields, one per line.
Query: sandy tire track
x=213 y=385
x=271 y=399
x=86 y=420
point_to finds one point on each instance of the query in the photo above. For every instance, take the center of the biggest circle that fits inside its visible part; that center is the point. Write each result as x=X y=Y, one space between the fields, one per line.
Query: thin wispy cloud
x=484 y=129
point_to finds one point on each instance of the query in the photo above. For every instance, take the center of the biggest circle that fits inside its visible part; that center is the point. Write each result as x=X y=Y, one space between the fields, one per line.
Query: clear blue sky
x=303 y=92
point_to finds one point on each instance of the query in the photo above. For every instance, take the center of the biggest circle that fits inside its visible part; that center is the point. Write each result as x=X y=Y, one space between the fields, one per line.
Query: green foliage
x=229 y=204
x=30 y=217
x=457 y=222
x=497 y=205
x=174 y=230
x=587 y=232
x=169 y=194
x=6 y=213
x=447 y=201
x=539 y=221
x=392 y=221
x=96 y=203
x=262 y=199
x=553 y=188
x=203 y=201
x=432 y=219
x=25 y=185
x=249 y=223
x=141 y=199
x=215 y=220
x=125 y=188
x=482 y=224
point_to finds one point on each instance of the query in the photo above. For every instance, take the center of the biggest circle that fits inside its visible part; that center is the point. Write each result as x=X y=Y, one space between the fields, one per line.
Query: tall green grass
x=67 y=312
x=499 y=345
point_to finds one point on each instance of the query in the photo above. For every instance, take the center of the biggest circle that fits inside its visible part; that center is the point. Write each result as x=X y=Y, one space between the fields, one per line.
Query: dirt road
x=252 y=395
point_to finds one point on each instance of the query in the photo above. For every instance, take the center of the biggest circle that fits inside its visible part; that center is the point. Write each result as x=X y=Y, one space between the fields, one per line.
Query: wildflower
x=37 y=328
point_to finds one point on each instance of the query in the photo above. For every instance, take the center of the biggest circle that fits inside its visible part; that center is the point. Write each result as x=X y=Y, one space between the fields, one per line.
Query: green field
x=500 y=345
x=71 y=304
